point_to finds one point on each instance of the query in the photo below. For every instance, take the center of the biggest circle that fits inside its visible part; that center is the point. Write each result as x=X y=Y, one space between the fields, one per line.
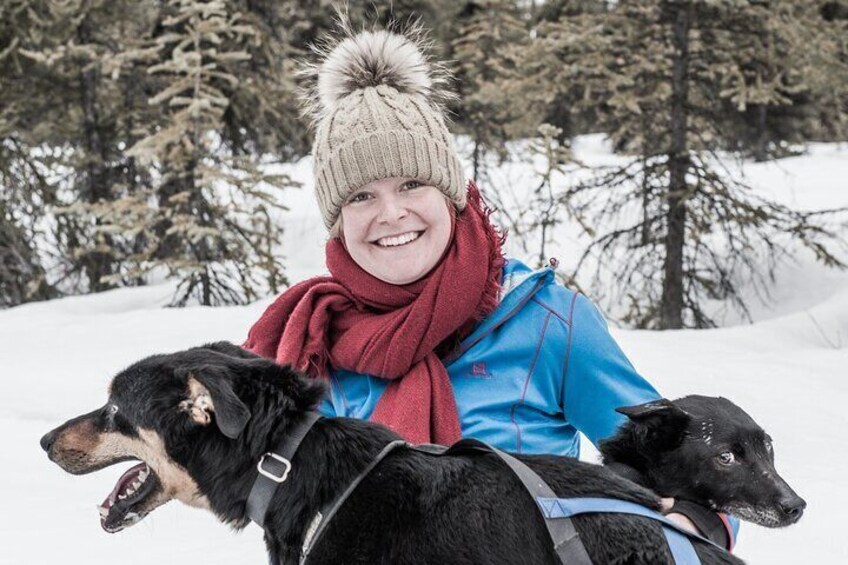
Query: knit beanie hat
x=377 y=108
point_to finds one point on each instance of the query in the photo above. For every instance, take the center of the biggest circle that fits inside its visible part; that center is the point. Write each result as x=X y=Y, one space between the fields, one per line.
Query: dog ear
x=230 y=349
x=660 y=423
x=306 y=393
x=210 y=392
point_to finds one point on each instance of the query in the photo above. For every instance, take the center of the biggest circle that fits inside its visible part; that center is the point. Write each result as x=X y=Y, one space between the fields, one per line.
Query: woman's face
x=397 y=229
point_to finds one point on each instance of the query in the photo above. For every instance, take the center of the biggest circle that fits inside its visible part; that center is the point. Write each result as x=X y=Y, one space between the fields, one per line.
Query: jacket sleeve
x=598 y=377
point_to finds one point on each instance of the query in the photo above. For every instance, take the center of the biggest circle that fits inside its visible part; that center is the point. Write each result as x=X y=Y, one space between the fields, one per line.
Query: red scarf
x=352 y=320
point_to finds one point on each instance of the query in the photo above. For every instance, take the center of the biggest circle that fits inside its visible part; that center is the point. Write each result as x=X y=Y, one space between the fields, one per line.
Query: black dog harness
x=275 y=466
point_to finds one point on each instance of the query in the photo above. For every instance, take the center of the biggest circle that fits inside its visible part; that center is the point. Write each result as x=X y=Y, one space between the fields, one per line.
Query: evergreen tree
x=682 y=232
x=22 y=203
x=77 y=91
x=212 y=225
x=489 y=108
x=68 y=97
x=783 y=81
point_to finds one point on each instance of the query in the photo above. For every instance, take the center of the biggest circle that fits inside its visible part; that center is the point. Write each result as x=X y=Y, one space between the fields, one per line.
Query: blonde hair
x=336 y=229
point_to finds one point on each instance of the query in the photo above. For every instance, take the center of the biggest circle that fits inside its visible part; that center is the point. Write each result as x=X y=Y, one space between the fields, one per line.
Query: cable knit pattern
x=379 y=131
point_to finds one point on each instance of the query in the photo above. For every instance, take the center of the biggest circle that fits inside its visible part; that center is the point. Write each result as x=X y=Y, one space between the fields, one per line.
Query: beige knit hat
x=377 y=109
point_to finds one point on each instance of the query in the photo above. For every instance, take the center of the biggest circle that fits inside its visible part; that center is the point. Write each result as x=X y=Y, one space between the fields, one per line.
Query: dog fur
x=200 y=420
x=707 y=451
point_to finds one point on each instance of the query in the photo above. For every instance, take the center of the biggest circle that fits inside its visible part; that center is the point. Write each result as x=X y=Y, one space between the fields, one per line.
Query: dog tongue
x=130 y=475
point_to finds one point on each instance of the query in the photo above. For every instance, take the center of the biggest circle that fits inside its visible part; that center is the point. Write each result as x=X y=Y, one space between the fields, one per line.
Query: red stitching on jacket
x=568 y=350
x=527 y=382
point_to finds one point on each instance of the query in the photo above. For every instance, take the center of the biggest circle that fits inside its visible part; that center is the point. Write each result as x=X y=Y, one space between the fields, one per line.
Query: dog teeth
x=130 y=492
x=143 y=475
x=122 y=496
x=136 y=484
x=103 y=511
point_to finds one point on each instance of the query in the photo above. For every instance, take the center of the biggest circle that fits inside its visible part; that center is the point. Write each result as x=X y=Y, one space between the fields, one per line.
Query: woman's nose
x=391 y=209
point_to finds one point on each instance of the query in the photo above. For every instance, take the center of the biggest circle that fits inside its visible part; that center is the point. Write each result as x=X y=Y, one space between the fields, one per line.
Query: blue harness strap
x=678 y=538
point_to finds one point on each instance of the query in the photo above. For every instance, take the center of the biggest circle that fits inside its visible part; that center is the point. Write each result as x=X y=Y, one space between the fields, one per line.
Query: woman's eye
x=727 y=458
x=412 y=184
x=358 y=197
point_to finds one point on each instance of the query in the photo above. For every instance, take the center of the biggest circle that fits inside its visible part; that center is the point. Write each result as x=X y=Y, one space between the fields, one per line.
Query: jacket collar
x=518 y=285
x=515 y=274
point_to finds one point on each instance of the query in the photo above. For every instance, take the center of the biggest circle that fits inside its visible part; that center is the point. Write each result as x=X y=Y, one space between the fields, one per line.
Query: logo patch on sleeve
x=479 y=371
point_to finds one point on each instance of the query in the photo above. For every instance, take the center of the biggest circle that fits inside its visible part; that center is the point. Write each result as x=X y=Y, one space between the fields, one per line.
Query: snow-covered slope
x=788 y=371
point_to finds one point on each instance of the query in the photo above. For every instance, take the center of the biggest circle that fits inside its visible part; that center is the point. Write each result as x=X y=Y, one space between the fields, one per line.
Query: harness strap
x=567 y=544
x=678 y=538
x=323 y=518
x=274 y=468
x=566 y=541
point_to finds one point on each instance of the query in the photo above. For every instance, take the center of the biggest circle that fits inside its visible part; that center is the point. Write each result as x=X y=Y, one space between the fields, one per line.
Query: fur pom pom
x=370 y=58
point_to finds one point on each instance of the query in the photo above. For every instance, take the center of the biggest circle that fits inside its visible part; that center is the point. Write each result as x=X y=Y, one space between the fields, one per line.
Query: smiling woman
x=397 y=229
x=422 y=324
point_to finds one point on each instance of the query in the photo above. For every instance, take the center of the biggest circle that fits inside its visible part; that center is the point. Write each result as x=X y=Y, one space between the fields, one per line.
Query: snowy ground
x=788 y=370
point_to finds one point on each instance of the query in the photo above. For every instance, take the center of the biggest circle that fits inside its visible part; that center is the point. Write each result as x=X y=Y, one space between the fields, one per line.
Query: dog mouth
x=766 y=516
x=125 y=505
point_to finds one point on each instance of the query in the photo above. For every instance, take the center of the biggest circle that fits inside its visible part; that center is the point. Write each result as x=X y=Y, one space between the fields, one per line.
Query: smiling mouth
x=121 y=508
x=398 y=240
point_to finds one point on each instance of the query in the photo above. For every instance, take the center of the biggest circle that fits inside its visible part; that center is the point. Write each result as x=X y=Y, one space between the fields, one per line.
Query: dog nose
x=793 y=506
x=47 y=441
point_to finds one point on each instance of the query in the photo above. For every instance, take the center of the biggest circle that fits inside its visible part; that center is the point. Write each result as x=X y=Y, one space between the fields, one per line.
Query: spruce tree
x=683 y=231
x=488 y=109
x=212 y=225
x=77 y=92
x=23 y=199
x=69 y=101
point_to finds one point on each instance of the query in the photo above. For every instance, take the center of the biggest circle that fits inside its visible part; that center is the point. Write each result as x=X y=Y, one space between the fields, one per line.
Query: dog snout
x=793 y=506
x=47 y=440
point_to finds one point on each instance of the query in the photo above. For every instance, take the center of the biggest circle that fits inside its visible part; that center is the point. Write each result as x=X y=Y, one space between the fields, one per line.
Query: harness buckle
x=276 y=478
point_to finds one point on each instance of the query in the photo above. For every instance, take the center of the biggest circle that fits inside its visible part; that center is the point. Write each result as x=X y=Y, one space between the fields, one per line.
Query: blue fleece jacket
x=540 y=368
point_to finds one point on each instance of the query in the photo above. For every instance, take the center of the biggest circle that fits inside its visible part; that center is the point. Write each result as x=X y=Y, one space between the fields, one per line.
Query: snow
x=788 y=370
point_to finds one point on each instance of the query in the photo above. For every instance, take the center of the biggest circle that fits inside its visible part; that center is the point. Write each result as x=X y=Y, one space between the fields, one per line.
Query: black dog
x=413 y=508
x=707 y=451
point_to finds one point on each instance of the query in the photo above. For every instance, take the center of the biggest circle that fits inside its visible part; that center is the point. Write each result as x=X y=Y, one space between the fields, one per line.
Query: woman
x=422 y=325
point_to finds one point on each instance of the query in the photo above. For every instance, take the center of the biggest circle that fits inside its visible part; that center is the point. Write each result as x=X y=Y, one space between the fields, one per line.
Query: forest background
x=140 y=140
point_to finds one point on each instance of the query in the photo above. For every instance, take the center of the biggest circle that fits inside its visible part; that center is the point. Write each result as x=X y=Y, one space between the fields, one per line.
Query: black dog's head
x=197 y=421
x=709 y=451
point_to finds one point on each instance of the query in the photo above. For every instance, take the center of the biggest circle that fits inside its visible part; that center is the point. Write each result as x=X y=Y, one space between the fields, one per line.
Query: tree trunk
x=761 y=144
x=671 y=309
x=95 y=264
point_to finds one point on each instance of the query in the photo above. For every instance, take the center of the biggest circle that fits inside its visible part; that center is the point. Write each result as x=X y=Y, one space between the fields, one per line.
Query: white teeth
x=395 y=241
x=121 y=496
x=143 y=475
x=136 y=484
x=130 y=492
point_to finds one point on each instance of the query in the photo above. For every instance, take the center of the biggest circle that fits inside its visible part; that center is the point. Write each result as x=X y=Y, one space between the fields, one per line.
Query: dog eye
x=727 y=458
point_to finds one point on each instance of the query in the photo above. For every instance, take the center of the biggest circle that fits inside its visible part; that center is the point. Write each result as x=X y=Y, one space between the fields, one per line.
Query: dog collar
x=274 y=468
